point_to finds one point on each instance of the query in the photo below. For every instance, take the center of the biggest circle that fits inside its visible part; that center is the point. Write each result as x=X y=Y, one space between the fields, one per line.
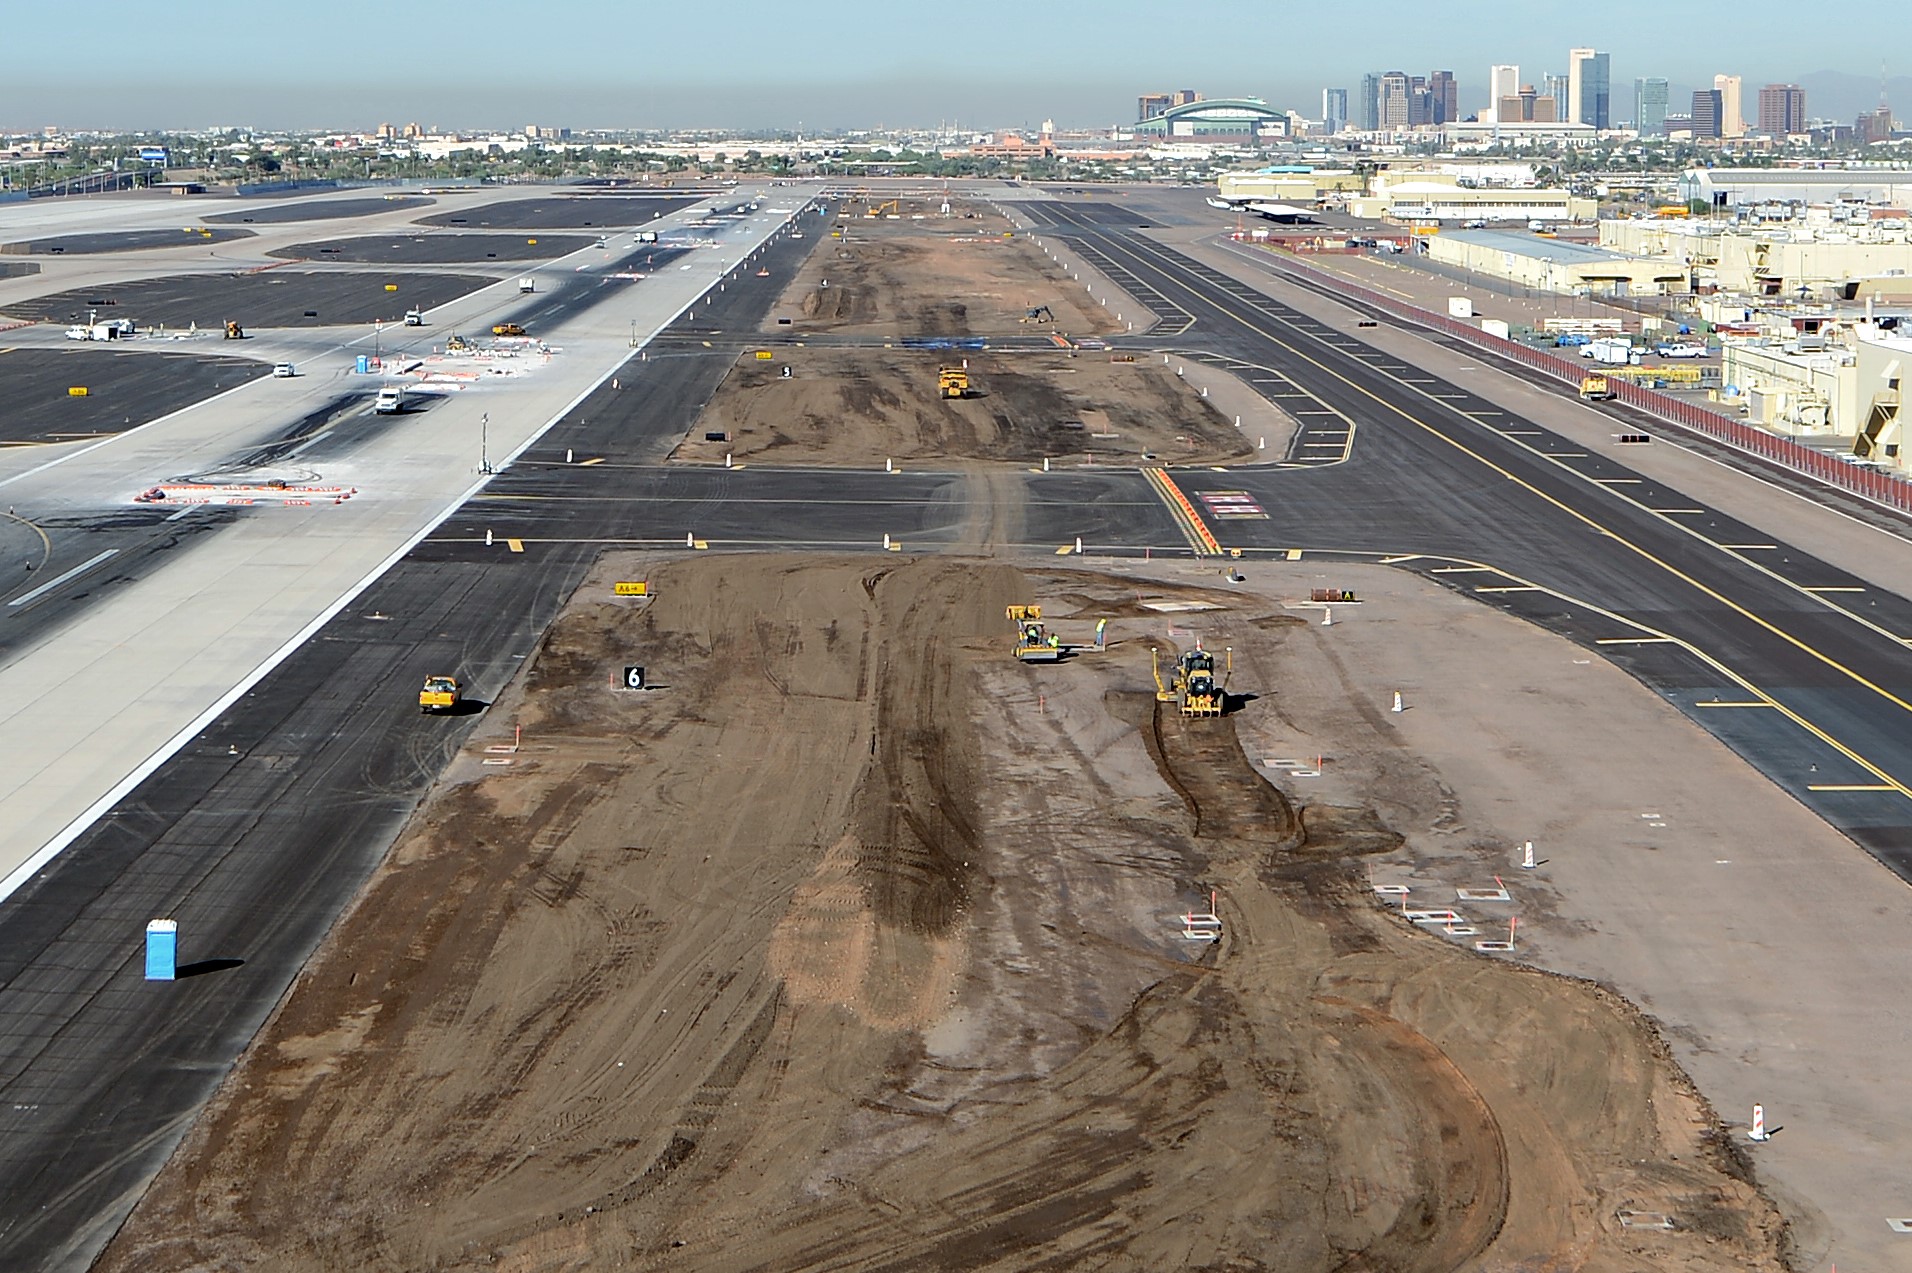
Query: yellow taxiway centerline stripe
x=1850 y=786
x=1722 y=704
x=1650 y=640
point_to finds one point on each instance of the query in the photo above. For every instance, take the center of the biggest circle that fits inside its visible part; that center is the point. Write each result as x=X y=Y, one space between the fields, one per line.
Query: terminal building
x=1554 y=265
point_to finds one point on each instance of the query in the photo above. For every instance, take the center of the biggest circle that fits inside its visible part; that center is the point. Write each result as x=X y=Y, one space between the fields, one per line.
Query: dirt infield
x=941 y=277
x=856 y=944
x=856 y=407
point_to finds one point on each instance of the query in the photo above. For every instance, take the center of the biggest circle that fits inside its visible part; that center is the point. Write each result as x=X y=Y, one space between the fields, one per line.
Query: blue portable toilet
x=364 y=366
x=162 y=950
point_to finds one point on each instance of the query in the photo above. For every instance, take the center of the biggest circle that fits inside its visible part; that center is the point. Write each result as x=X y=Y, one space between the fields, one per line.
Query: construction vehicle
x=414 y=318
x=1034 y=644
x=391 y=400
x=1039 y=314
x=952 y=382
x=441 y=694
x=234 y=331
x=1595 y=389
x=528 y=285
x=879 y=209
x=506 y=329
x=456 y=344
x=1192 y=685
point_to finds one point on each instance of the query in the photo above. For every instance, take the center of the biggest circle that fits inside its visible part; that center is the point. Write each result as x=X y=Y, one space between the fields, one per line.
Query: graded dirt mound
x=859 y=945
x=934 y=278
x=856 y=407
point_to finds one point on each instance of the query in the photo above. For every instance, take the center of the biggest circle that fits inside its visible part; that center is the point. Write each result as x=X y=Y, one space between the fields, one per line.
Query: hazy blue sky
x=347 y=63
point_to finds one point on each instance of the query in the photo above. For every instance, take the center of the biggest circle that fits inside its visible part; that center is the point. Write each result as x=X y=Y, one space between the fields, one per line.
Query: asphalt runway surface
x=127 y=383
x=259 y=833
x=1697 y=606
x=438 y=248
x=566 y=212
x=286 y=297
x=122 y=241
x=324 y=210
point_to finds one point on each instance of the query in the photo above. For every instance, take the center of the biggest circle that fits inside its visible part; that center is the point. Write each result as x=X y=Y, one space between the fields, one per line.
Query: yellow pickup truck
x=507 y=329
x=441 y=694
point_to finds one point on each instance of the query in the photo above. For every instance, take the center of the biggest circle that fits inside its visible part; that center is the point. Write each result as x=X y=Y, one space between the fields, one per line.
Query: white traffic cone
x=1759 y=1131
x=1398 y=706
x=1327 y=617
x=690 y=540
x=886 y=542
x=1527 y=857
x=487 y=539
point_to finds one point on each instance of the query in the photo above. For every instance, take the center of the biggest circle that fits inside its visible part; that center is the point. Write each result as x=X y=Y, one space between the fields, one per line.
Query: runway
x=258 y=833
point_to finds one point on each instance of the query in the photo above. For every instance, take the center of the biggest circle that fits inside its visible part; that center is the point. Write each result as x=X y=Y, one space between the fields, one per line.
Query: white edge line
x=172 y=746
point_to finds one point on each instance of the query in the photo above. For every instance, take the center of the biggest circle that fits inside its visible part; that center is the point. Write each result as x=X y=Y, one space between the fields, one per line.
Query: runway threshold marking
x=1187 y=520
x=53 y=583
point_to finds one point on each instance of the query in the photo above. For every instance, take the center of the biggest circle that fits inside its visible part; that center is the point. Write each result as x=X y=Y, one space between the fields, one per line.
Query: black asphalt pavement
x=127 y=383
x=566 y=212
x=318 y=210
x=123 y=241
x=411 y=247
x=281 y=297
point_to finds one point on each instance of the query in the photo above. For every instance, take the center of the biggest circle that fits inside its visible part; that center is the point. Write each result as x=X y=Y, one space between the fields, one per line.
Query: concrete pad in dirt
x=855 y=941
x=269 y=298
x=857 y=407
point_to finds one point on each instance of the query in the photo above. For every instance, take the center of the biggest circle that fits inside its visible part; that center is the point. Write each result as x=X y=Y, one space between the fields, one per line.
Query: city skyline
x=851 y=64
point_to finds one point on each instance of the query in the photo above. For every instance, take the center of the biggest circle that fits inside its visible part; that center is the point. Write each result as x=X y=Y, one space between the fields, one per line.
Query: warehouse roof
x=1561 y=250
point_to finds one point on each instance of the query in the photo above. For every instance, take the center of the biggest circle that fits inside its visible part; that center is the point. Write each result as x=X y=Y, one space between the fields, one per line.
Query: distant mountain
x=1841 y=97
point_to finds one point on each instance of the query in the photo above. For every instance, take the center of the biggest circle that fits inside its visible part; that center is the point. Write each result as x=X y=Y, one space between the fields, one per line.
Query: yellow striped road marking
x=588 y=463
x=1619 y=481
x=1852 y=786
x=1394 y=561
x=1649 y=640
x=1746 y=548
x=1462 y=570
x=1833 y=588
x=1720 y=704
x=515 y=545
x=1065 y=550
x=1668 y=512
x=1294 y=554
x=1386 y=404
x=1515 y=587
x=1193 y=529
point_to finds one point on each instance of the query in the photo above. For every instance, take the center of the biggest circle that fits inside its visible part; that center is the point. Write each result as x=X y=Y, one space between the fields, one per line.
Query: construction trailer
x=1034 y=642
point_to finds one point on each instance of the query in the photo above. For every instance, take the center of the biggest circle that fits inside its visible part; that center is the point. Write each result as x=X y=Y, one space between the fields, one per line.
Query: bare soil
x=936 y=277
x=857 y=946
x=855 y=407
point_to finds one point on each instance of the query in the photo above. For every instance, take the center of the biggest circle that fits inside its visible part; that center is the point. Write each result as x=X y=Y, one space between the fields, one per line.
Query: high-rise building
x=1420 y=106
x=1874 y=125
x=1444 y=97
x=1556 y=87
x=1396 y=100
x=1185 y=97
x=1334 y=110
x=1370 y=103
x=1502 y=82
x=1589 y=88
x=1708 y=113
x=1732 y=121
x=1782 y=110
x=1149 y=105
x=1525 y=107
x=1649 y=107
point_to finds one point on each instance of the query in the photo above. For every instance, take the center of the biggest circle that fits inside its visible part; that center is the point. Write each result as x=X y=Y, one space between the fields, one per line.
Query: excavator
x=1192 y=685
x=1038 y=314
x=1034 y=644
x=952 y=382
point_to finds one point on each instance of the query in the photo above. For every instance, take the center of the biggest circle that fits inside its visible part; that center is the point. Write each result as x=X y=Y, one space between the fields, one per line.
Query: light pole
x=484 y=443
x=376 y=327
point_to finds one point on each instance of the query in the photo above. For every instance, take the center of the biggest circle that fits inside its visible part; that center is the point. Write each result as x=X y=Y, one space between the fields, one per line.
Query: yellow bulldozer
x=1034 y=644
x=234 y=331
x=952 y=382
x=1192 y=685
x=440 y=694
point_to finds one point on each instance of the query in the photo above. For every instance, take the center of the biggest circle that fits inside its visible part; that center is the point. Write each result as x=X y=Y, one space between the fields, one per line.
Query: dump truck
x=234 y=331
x=952 y=382
x=1034 y=644
x=1595 y=389
x=440 y=694
x=506 y=329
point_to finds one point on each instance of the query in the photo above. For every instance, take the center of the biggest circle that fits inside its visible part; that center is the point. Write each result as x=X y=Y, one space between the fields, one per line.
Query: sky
x=848 y=63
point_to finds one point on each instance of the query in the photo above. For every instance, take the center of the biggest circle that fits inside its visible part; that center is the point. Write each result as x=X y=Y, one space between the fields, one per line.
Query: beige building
x=1842 y=386
x=1302 y=189
x=1786 y=261
x=1551 y=265
x=1413 y=194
